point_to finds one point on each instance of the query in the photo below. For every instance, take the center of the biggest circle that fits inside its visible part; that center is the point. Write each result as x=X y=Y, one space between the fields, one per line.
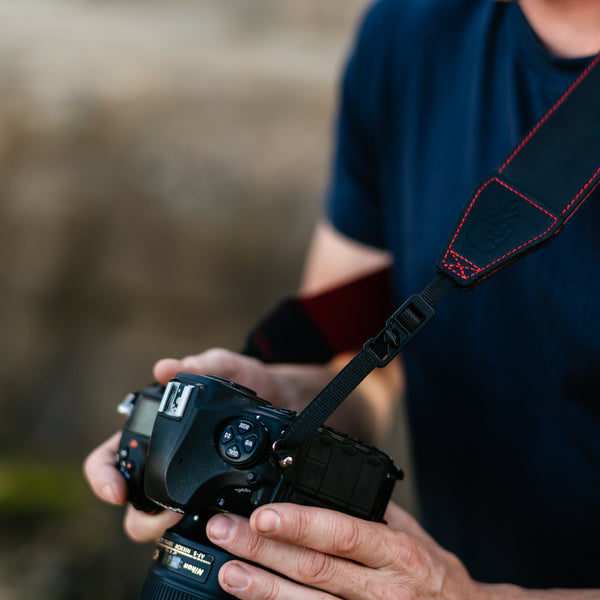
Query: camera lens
x=186 y=565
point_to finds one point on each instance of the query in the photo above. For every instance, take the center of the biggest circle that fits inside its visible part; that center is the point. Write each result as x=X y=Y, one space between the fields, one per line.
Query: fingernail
x=221 y=528
x=268 y=521
x=235 y=577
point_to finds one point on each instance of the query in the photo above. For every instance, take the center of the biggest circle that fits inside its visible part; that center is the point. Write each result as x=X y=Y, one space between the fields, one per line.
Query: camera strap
x=519 y=207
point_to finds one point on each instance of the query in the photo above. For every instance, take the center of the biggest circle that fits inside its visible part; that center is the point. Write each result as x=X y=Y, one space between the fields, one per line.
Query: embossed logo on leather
x=494 y=230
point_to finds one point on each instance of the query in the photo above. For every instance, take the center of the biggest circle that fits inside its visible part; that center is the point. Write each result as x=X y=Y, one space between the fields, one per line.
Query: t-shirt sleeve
x=353 y=201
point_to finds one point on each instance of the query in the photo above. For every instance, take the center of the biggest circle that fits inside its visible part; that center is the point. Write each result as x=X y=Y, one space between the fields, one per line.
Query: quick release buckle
x=399 y=329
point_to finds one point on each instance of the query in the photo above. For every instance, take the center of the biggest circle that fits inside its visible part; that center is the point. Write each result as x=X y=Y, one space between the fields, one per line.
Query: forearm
x=334 y=259
x=366 y=414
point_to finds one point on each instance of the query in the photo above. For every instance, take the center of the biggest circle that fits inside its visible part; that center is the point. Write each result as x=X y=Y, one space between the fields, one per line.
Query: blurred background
x=161 y=168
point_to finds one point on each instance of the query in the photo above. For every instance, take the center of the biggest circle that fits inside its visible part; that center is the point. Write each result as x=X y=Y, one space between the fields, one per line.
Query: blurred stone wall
x=161 y=169
x=161 y=166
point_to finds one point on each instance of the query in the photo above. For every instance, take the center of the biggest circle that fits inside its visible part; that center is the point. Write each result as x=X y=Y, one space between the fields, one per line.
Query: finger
x=306 y=566
x=104 y=479
x=222 y=363
x=166 y=369
x=251 y=583
x=216 y=361
x=374 y=545
x=142 y=527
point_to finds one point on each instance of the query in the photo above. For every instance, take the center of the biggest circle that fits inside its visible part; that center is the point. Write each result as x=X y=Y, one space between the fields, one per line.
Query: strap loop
x=379 y=351
x=399 y=329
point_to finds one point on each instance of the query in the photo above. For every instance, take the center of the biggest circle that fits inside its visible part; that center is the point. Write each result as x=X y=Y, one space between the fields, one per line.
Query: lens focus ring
x=158 y=590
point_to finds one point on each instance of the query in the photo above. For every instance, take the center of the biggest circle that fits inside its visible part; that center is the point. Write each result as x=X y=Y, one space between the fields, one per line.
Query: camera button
x=244 y=427
x=242 y=442
x=233 y=452
x=227 y=436
x=250 y=443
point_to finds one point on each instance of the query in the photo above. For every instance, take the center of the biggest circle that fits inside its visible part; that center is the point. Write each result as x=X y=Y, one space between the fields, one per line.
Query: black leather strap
x=525 y=202
x=520 y=206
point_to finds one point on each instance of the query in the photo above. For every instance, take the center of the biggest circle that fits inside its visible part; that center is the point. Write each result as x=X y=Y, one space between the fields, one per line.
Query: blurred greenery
x=32 y=489
x=57 y=539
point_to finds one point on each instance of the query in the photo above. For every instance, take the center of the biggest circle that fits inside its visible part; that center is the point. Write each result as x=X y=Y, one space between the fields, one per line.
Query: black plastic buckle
x=399 y=329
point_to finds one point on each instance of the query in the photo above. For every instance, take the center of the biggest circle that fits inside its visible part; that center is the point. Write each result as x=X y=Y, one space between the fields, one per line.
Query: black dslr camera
x=204 y=445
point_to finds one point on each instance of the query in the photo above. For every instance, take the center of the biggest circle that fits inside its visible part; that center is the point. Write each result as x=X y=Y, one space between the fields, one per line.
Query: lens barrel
x=186 y=565
x=160 y=588
x=155 y=589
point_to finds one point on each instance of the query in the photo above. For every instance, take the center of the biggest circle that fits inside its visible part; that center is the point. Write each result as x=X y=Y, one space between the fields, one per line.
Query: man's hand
x=106 y=481
x=291 y=386
x=324 y=554
x=109 y=485
x=230 y=365
x=272 y=382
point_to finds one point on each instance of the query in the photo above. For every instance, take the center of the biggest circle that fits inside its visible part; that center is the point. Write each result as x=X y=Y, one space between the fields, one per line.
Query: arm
x=332 y=260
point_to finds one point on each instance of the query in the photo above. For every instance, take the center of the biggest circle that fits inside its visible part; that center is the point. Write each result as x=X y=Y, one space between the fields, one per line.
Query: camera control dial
x=242 y=442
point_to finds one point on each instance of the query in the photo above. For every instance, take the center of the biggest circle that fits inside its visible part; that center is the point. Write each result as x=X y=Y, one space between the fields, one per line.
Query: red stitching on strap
x=460 y=269
x=581 y=192
x=462 y=222
x=553 y=109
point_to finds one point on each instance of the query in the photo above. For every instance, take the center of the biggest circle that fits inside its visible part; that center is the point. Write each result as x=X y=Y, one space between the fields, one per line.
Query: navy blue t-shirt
x=504 y=383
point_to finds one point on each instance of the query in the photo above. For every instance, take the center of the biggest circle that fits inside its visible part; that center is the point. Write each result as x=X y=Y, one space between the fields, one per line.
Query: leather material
x=526 y=201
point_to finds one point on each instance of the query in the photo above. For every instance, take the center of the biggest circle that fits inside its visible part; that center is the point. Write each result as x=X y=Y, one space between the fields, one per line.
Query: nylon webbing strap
x=379 y=351
x=519 y=207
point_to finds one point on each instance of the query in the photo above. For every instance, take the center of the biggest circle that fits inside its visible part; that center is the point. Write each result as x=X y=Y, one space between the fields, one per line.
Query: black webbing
x=325 y=403
x=379 y=351
x=437 y=289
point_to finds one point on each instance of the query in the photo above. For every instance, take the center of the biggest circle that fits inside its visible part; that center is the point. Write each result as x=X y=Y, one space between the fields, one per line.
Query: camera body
x=212 y=447
x=203 y=445
x=141 y=408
